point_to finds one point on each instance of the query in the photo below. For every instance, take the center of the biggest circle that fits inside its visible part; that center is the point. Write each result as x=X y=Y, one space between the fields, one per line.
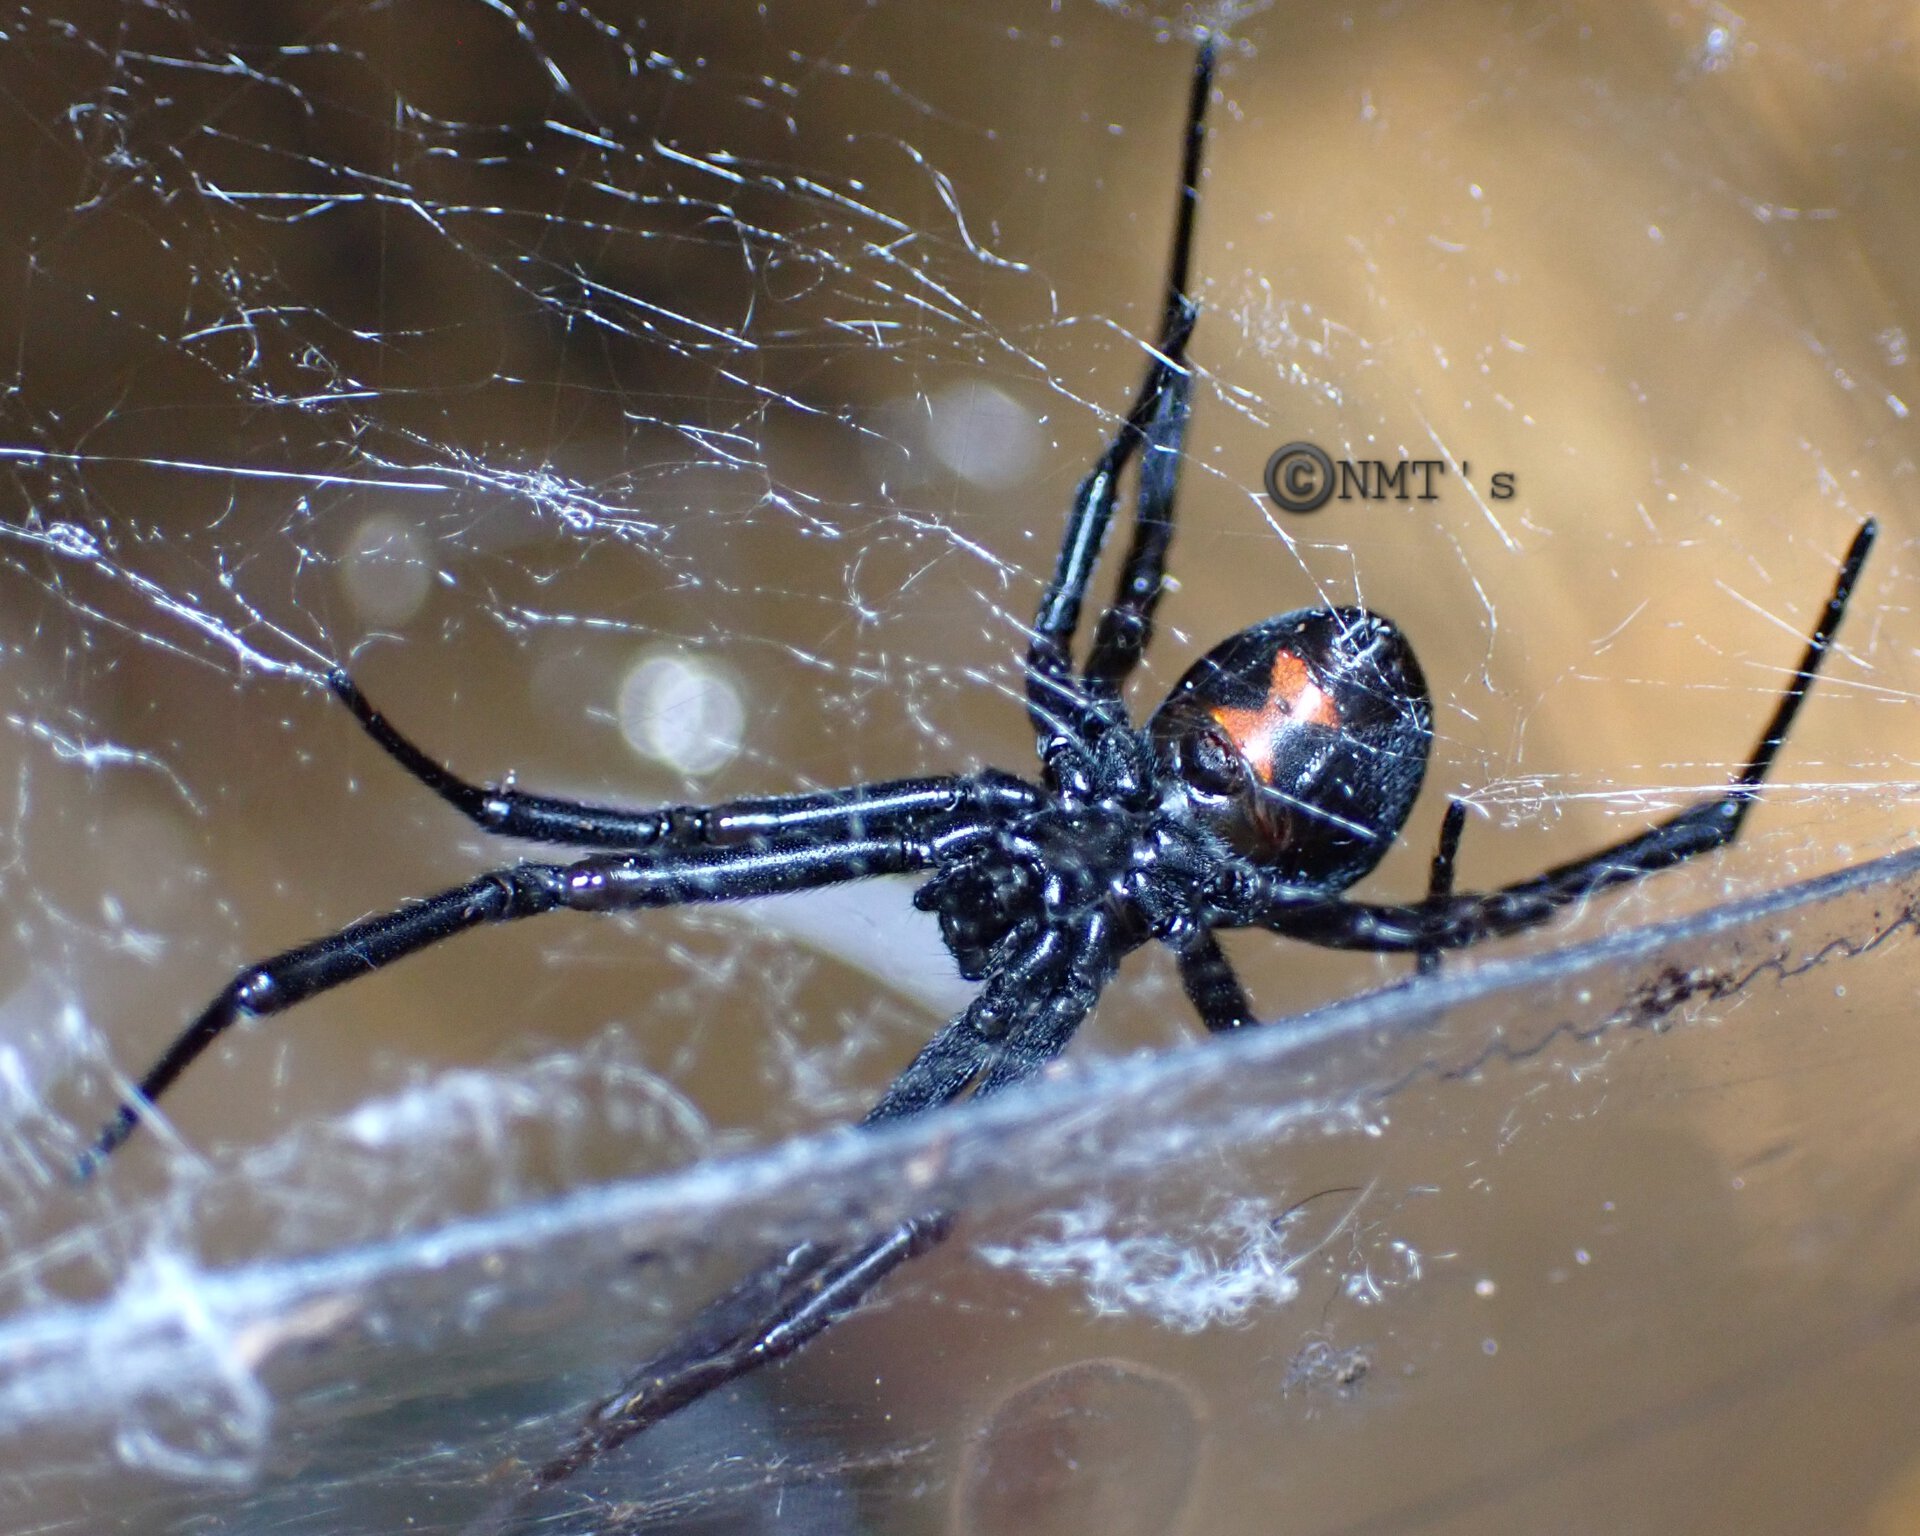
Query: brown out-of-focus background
x=520 y=363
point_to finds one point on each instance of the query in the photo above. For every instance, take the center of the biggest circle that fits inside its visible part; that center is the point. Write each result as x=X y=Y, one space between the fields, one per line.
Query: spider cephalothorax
x=1297 y=746
x=1277 y=772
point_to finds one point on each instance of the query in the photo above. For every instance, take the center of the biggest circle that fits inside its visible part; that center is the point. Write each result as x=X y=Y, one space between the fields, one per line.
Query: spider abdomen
x=1302 y=742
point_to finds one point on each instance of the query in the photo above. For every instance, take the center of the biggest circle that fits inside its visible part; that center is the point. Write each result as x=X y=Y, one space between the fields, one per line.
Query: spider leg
x=954 y=1056
x=1022 y=1019
x=1126 y=627
x=1440 y=880
x=1157 y=423
x=864 y=810
x=1052 y=689
x=607 y=883
x=1453 y=922
x=767 y=1317
x=1212 y=987
x=1208 y=975
x=1089 y=962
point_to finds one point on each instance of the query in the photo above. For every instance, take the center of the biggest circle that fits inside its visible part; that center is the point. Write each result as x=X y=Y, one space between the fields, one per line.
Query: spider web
x=674 y=402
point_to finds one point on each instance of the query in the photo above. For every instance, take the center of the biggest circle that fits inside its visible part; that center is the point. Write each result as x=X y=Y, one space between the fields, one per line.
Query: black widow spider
x=1275 y=774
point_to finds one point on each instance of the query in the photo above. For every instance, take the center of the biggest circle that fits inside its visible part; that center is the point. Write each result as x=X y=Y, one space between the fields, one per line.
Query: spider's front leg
x=1022 y=1019
x=860 y=811
x=606 y=883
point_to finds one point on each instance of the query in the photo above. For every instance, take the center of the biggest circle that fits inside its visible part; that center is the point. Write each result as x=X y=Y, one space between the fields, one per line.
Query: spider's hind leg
x=1444 y=922
x=1440 y=877
x=1127 y=625
x=1212 y=986
x=1156 y=428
